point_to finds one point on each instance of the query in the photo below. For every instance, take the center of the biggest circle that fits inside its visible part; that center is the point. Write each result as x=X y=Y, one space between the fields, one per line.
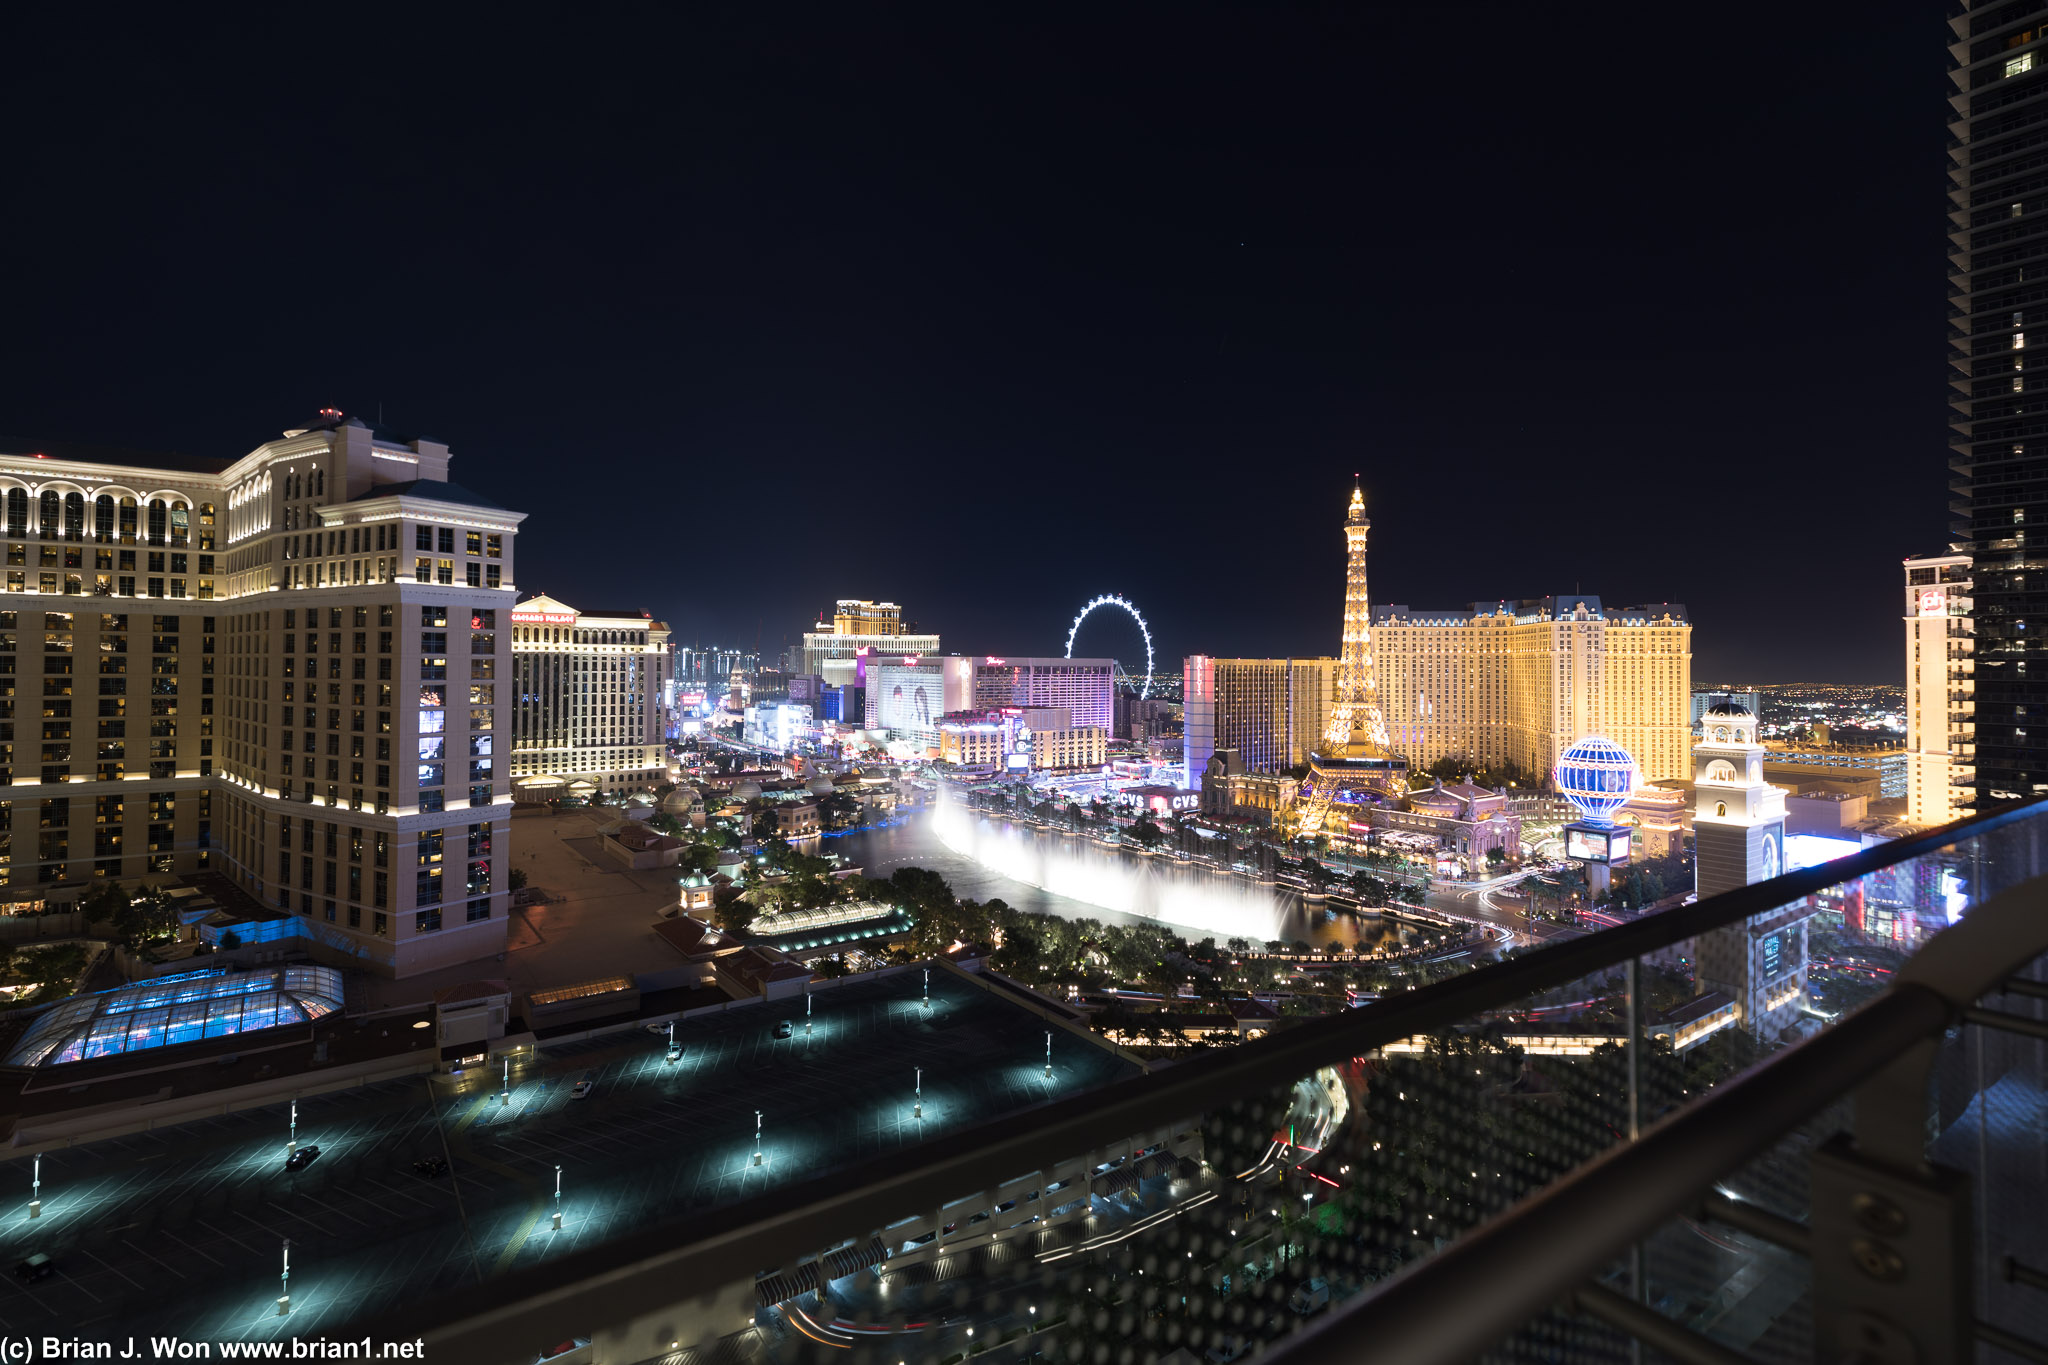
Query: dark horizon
x=990 y=318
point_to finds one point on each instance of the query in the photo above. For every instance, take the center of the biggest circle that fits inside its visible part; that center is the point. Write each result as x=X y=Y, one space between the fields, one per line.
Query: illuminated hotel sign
x=543 y=618
x=1933 y=602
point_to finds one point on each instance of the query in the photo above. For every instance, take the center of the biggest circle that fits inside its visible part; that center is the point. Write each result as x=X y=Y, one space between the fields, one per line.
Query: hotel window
x=2020 y=65
x=423 y=570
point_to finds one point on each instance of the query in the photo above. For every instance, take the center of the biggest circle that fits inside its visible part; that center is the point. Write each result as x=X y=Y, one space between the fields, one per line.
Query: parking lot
x=181 y=1231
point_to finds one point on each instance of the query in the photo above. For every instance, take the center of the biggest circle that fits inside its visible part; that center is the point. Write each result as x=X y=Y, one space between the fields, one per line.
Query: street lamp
x=927 y=988
x=284 y=1282
x=505 y=1095
x=558 y=1199
x=917 y=1110
x=807 y=1010
x=673 y=1051
x=1048 y=1054
x=293 y=1145
x=35 y=1201
x=757 y=1137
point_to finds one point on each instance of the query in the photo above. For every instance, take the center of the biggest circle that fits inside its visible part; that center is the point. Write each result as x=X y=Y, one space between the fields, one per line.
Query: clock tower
x=1739 y=819
x=1739 y=839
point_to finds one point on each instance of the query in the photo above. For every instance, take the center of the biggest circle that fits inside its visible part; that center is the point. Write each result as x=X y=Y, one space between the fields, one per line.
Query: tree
x=1019 y=955
x=229 y=939
x=104 y=904
x=147 y=917
x=1496 y=856
x=731 y=911
x=516 y=879
x=831 y=968
x=1145 y=832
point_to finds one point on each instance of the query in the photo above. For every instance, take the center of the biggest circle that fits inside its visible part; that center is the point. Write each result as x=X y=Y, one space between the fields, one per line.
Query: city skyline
x=784 y=277
x=1203 y=685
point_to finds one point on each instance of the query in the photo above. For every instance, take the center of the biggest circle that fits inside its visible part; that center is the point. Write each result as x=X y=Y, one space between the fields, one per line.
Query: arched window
x=103 y=519
x=159 y=516
x=127 y=521
x=319 y=483
x=206 y=526
x=17 y=512
x=49 y=507
x=1720 y=770
x=291 y=487
x=1721 y=808
x=74 y=516
x=181 y=523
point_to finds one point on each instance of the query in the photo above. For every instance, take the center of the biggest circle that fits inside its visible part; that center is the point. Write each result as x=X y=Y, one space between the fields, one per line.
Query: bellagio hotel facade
x=1520 y=681
x=283 y=667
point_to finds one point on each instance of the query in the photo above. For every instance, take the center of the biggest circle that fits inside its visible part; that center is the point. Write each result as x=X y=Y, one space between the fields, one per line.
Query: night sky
x=987 y=310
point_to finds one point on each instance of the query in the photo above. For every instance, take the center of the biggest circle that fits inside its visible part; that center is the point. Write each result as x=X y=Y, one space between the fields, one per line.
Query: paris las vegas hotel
x=285 y=668
x=1508 y=681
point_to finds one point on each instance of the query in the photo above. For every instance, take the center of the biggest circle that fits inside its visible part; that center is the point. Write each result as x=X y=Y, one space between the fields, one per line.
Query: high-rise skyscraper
x=1940 y=706
x=1998 y=263
x=1520 y=682
x=283 y=667
x=587 y=692
x=860 y=627
x=1273 y=712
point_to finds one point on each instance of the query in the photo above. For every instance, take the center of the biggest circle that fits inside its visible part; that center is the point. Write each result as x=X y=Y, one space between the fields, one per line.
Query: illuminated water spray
x=1187 y=895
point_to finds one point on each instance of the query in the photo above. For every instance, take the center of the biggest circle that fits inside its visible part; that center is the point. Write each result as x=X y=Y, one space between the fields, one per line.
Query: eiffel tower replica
x=1353 y=767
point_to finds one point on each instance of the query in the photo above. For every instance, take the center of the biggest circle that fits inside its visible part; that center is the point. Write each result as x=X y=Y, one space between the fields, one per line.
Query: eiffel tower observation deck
x=1353 y=767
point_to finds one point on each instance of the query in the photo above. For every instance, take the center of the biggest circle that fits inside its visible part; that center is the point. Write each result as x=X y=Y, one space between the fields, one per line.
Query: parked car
x=432 y=1167
x=784 y=1029
x=581 y=1090
x=1227 y=1350
x=1311 y=1297
x=302 y=1158
x=36 y=1267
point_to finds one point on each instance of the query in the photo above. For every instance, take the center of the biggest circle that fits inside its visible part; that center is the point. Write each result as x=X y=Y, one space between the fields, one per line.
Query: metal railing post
x=1637 y=1289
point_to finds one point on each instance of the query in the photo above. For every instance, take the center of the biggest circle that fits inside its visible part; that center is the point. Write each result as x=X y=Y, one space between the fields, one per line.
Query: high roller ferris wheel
x=1122 y=604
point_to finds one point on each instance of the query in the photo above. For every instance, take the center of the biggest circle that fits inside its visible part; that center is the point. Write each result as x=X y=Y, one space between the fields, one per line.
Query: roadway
x=1473 y=903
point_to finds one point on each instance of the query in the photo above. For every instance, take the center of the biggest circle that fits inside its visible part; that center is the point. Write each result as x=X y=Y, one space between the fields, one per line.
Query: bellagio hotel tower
x=284 y=668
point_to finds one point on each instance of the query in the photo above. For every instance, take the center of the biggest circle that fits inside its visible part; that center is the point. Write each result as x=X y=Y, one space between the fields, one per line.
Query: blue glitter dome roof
x=1596 y=775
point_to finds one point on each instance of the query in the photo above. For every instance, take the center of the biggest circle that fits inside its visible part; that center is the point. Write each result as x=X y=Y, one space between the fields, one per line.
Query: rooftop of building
x=1531 y=609
x=435 y=490
x=653 y=1144
x=129 y=457
x=1458 y=792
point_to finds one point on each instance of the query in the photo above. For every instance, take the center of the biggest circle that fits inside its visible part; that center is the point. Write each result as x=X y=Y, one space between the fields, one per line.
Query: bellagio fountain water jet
x=1191 y=896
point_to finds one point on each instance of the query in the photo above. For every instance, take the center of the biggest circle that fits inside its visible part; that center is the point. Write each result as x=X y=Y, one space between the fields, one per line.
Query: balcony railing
x=1832 y=1149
